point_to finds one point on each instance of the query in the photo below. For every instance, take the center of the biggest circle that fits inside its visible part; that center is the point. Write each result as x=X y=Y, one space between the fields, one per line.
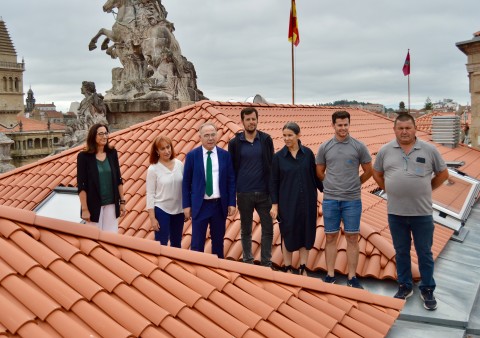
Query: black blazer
x=88 y=180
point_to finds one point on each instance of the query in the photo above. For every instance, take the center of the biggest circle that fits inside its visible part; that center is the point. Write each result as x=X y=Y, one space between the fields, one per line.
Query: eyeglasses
x=103 y=134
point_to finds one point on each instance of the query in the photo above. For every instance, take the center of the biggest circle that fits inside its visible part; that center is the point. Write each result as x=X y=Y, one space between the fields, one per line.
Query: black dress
x=294 y=185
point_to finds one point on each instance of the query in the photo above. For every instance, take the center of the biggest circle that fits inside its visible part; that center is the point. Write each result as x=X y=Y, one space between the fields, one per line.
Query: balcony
x=12 y=65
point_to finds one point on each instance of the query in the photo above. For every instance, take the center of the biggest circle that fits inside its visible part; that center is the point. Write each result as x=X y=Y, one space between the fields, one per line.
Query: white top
x=215 y=171
x=164 y=187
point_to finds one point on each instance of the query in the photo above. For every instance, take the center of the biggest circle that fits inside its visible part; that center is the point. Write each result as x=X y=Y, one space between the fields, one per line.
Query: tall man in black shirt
x=252 y=151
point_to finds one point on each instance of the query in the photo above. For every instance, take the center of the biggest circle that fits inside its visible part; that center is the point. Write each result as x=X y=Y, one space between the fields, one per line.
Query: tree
x=428 y=104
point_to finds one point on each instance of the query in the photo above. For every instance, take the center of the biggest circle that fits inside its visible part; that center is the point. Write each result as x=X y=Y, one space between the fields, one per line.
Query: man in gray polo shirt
x=408 y=169
x=338 y=161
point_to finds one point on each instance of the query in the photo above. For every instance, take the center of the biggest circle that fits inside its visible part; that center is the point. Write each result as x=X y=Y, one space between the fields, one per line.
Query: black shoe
x=329 y=279
x=403 y=292
x=288 y=269
x=354 y=283
x=429 y=301
x=301 y=270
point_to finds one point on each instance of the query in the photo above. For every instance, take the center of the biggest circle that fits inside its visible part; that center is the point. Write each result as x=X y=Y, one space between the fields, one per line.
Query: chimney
x=446 y=130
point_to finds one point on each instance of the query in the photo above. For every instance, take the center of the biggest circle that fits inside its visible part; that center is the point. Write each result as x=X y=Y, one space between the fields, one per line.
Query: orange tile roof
x=29 y=125
x=377 y=256
x=61 y=279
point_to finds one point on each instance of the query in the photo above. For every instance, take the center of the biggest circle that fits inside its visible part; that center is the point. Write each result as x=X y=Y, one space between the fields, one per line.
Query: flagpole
x=293 y=75
x=409 y=93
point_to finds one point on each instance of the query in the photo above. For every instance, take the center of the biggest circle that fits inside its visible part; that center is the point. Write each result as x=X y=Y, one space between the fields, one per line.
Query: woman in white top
x=164 y=192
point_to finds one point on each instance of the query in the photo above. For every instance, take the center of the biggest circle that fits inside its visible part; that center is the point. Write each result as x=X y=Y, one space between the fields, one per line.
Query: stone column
x=471 y=48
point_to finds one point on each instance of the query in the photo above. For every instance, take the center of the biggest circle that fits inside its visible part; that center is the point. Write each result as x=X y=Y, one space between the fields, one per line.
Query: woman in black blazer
x=100 y=186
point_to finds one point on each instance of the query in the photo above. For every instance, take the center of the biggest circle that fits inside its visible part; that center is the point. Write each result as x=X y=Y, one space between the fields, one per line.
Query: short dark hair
x=248 y=111
x=91 y=143
x=154 y=157
x=293 y=127
x=404 y=117
x=340 y=114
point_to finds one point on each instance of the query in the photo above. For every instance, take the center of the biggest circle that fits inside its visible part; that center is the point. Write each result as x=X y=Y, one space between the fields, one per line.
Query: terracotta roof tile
x=117 y=286
x=29 y=125
x=133 y=146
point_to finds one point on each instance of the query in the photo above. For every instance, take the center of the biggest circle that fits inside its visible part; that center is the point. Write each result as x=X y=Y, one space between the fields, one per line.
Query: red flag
x=293 y=34
x=406 y=65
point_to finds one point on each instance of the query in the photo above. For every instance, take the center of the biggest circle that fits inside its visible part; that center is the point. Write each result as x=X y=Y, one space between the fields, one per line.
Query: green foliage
x=343 y=103
x=428 y=104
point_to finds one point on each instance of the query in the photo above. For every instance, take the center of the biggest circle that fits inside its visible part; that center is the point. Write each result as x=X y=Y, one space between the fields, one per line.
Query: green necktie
x=209 y=180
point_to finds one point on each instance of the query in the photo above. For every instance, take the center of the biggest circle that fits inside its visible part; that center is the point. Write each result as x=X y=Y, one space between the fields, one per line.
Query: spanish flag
x=293 y=35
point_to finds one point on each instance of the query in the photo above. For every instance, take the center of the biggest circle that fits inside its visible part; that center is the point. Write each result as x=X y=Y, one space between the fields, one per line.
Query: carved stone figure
x=143 y=41
x=5 y=157
x=92 y=110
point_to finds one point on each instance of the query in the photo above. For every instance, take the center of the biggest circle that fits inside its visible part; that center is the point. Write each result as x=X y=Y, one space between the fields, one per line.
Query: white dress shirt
x=164 y=187
x=215 y=171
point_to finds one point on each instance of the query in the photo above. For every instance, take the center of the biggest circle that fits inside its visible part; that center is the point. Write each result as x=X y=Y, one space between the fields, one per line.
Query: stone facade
x=11 y=79
x=471 y=48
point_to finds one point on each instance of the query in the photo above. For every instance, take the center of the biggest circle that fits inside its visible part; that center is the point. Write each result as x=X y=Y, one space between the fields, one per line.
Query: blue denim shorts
x=336 y=211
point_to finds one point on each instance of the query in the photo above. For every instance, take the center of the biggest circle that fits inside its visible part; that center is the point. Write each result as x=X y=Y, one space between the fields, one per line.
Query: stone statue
x=5 y=158
x=152 y=64
x=92 y=110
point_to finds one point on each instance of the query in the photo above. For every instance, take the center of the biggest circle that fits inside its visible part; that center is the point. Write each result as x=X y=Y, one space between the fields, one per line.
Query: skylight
x=63 y=203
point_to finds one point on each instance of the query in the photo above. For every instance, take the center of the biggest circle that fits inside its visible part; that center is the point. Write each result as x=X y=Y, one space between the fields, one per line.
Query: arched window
x=5 y=87
x=30 y=143
x=44 y=143
x=37 y=143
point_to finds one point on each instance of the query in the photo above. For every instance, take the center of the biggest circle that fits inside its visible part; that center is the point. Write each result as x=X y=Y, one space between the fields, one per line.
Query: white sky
x=348 y=49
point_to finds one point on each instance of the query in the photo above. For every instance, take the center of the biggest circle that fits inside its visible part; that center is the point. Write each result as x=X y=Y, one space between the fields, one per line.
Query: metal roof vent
x=446 y=130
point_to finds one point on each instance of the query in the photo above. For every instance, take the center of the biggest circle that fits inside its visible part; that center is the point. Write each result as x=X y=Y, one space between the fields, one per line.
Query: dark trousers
x=261 y=202
x=171 y=227
x=210 y=214
x=403 y=228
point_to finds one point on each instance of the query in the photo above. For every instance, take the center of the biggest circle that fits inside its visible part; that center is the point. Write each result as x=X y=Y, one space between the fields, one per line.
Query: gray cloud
x=348 y=49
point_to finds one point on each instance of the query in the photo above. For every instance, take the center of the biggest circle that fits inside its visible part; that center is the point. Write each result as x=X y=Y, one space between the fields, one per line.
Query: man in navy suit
x=208 y=190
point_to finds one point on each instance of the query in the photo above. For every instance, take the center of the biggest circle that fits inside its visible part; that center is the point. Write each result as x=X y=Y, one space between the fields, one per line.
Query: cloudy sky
x=349 y=49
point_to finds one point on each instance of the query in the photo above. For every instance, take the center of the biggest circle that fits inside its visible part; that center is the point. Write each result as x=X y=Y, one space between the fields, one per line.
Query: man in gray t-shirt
x=338 y=161
x=408 y=169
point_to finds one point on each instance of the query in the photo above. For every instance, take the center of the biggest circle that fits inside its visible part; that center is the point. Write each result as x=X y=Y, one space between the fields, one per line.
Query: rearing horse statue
x=141 y=36
x=125 y=21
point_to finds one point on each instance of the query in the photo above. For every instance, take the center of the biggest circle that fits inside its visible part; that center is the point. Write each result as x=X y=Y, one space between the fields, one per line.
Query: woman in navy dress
x=293 y=191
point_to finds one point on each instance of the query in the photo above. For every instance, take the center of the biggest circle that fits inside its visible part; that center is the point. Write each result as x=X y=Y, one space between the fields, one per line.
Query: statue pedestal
x=125 y=113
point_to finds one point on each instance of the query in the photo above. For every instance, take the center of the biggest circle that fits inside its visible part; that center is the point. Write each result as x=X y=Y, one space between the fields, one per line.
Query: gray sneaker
x=429 y=301
x=403 y=292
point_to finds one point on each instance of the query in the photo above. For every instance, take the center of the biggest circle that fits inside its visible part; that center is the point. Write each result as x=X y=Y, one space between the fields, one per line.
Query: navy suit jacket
x=193 y=185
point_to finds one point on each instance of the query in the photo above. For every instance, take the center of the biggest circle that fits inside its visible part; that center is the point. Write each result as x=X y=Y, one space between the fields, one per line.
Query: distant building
x=51 y=116
x=445 y=105
x=374 y=107
x=30 y=103
x=11 y=79
x=70 y=116
x=31 y=138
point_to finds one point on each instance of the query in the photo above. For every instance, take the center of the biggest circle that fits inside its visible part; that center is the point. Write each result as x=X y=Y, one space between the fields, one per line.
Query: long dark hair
x=91 y=143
